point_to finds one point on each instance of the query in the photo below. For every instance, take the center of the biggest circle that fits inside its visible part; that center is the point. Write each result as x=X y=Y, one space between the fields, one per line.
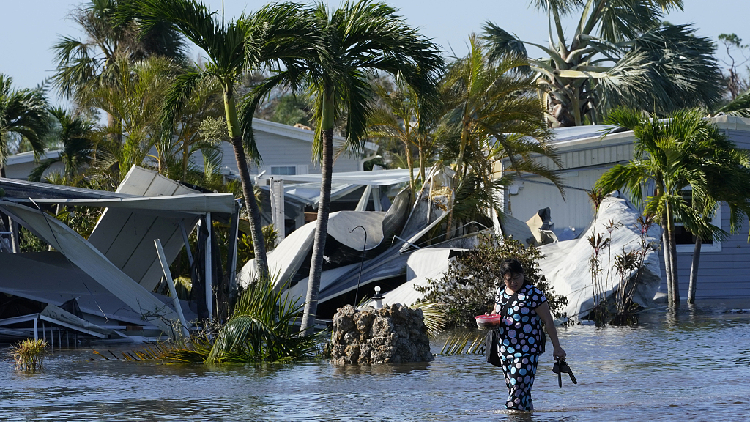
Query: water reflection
x=385 y=369
x=691 y=365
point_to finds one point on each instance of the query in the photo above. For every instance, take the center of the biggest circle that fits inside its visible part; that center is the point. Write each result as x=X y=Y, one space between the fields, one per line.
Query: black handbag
x=490 y=347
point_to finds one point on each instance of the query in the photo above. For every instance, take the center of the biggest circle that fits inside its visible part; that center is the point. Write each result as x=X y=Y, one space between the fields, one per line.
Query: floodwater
x=693 y=366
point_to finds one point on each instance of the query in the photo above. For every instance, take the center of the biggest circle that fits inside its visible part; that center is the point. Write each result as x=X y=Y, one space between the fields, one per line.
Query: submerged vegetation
x=29 y=354
x=261 y=329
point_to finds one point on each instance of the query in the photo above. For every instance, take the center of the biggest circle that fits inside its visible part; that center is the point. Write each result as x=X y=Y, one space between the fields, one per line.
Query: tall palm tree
x=351 y=43
x=76 y=139
x=91 y=63
x=272 y=33
x=357 y=38
x=665 y=160
x=492 y=114
x=621 y=53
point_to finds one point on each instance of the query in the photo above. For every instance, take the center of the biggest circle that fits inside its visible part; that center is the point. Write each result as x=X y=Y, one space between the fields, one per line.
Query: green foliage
x=291 y=110
x=245 y=250
x=23 y=118
x=619 y=53
x=468 y=288
x=29 y=354
x=261 y=329
x=28 y=242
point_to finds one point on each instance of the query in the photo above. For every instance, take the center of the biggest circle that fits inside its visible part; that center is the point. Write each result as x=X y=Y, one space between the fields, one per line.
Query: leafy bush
x=468 y=287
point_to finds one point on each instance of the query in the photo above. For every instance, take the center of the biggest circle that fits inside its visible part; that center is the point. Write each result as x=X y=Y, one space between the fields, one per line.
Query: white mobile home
x=586 y=155
x=287 y=150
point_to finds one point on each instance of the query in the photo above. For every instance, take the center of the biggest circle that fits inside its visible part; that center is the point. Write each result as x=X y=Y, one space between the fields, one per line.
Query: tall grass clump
x=261 y=329
x=29 y=354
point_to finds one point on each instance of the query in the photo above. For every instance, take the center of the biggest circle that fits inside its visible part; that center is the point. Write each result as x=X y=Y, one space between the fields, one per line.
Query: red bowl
x=488 y=320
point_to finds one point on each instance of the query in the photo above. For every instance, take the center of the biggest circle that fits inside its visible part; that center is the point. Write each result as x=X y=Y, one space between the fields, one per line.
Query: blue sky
x=29 y=28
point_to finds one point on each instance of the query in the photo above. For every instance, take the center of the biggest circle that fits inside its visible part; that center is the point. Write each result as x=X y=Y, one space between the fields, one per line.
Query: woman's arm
x=549 y=324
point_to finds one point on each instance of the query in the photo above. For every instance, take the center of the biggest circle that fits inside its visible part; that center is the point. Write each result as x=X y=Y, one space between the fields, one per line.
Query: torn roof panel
x=56 y=280
x=22 y=189
x=125 y=234
x=81 y=253
x=165 y=205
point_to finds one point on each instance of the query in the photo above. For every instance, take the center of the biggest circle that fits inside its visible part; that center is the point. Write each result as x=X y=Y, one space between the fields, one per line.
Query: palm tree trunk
x=459 y=171
x=321 y=225
x=410 y=164
x=259 y=246
x=666 y=251
x=692 y=286
x=422 y=163
x=675 y=298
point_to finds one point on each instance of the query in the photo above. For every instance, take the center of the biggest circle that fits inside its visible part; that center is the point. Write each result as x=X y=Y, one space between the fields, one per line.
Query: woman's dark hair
x=510 y=266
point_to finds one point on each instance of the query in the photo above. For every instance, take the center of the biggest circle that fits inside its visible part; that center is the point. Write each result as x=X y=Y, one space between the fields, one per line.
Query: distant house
x=19 y=166
x=284 y=150
x=586 y=155
x=287 y=150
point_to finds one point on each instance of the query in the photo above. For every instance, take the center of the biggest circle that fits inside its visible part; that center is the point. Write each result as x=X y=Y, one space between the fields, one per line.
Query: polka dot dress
x=520 y=342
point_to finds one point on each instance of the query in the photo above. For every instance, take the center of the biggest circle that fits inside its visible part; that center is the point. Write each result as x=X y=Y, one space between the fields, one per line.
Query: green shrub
x=468 y=287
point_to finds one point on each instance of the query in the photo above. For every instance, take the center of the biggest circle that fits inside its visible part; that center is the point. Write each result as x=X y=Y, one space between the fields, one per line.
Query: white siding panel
x=574 y=211
x=276 y=150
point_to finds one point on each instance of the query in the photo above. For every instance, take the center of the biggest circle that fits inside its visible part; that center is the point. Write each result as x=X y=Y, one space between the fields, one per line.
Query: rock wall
x=393 y=334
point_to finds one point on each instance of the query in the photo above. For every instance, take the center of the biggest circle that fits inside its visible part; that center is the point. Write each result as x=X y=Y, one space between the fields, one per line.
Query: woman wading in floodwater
x=521 y=340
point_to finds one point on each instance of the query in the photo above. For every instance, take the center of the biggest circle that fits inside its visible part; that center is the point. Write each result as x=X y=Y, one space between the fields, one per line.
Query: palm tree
x=492 y=114
x=666 y=159
x=621 y=53
x=82 y=62
x=272 y=33
x=23 y=116
x=351 y=43
x=133 y=97
x=399 y=115
x=726 y=169
x=76 y=138
x=91 y=63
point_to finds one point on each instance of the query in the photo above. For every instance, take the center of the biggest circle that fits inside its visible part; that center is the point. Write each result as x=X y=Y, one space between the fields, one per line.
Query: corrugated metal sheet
x=125 y=235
